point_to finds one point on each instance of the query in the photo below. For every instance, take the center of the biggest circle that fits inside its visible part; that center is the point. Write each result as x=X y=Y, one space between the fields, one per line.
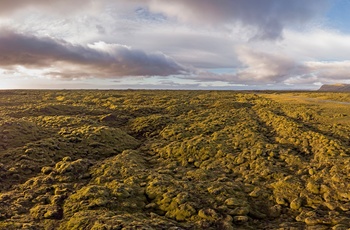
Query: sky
x=174 y=44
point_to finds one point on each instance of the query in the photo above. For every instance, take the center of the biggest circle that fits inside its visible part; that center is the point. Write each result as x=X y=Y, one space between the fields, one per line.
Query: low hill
x=336 y=88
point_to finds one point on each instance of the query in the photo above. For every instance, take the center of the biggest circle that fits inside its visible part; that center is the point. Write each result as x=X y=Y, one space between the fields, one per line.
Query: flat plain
x=138 y=159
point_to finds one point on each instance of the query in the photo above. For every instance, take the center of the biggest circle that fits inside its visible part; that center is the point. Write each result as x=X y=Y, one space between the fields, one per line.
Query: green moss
x=149 y=125
x=11 y=226
x=80 y=221
x=296 y=203
x=46 y=212
x=313 y=187
x=15 y=134
x=102 y=135
x=89 y=197
x=208 y=214
x=288 y=189
x=181 y=212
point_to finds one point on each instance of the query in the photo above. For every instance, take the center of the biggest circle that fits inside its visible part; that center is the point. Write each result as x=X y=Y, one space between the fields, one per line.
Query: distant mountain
x=336 y=88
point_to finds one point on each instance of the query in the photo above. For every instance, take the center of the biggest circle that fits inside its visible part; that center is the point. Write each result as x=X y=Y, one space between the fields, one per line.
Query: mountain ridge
x=335 y=87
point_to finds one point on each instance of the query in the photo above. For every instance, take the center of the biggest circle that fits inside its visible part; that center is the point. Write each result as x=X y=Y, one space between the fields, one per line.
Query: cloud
x=261 y=68
x=57 y=6
x=317 y=44
x=101 y=29
x=330 y=71
x=211 y=36
x=158 y=85
x=195 y=48
x=258 y=68
x=268 y=17
x=71 y=61
x=266 y=67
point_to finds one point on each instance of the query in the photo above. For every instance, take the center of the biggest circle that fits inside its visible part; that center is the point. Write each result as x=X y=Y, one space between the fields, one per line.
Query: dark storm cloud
x=96 y=60
x=268 y=17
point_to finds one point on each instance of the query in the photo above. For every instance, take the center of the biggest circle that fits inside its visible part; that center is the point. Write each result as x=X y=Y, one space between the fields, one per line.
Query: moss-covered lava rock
x=174 y=160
